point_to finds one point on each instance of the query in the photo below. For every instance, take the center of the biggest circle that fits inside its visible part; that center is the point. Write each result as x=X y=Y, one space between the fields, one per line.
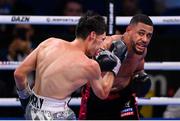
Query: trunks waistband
x=46 y=103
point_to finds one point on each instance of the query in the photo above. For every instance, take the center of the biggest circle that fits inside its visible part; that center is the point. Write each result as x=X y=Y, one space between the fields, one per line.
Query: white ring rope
x=157 y=20
x=11 y=102
x=11 y=65
x=162 y=66
x=73 y=20
x=49 y=20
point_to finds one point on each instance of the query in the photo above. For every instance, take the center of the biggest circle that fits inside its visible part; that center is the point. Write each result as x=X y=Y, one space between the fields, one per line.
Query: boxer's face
x=96 y=43
x=140 y=35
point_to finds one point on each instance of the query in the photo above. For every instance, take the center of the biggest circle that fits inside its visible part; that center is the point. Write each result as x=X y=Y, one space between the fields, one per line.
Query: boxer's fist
x=24 y=102
x=119 y=48
x=24 y=96
x=108 y=61
x=141 y=83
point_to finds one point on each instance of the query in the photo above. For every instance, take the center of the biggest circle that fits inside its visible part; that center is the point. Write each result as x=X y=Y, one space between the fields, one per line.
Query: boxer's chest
x=128 y=67
x=126 y=72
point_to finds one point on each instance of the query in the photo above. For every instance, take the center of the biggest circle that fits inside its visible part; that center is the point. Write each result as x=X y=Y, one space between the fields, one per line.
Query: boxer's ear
x=93 y=35
x=129 y=28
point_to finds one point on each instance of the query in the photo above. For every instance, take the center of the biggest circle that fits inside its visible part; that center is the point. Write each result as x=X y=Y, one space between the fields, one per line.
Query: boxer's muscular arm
x=100 y=85
x=21 y=72
x=20 y=75
x=109 y=39
x=140 y=68
x=28 y=65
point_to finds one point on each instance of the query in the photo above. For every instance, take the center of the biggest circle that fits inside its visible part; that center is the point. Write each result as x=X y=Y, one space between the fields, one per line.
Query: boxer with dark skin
x=121 y=103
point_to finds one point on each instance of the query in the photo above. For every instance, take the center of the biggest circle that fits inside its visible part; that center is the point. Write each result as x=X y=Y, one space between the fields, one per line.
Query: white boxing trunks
x=43 y=108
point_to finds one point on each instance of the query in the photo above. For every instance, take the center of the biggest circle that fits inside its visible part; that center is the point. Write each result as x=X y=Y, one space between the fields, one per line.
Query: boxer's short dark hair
x=90 y=22
x=142 y=18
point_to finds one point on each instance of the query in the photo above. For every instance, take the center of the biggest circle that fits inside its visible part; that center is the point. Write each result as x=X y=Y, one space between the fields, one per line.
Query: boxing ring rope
x=14 y=102
x=11 y=65
x=73 y=20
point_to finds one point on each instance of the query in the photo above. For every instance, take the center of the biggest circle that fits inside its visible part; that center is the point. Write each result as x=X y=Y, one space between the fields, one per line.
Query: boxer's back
x=60 y=68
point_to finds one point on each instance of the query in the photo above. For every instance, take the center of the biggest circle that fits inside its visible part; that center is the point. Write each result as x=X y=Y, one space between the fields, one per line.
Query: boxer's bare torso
x=60 y=69
x=127 y=70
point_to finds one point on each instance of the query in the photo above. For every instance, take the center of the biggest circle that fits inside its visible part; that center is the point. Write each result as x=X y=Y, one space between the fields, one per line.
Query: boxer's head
x=91 y=29
x=140 y=31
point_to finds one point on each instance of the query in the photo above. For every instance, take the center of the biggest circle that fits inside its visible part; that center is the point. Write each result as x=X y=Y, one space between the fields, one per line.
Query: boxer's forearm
x=108 y=80
x=102 y=86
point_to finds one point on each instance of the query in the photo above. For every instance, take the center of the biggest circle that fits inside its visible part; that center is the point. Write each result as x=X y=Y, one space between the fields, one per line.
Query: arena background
x=164 y=45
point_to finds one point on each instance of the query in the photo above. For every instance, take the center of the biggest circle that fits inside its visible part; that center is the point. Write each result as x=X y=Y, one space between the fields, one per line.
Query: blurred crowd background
x=17 y=41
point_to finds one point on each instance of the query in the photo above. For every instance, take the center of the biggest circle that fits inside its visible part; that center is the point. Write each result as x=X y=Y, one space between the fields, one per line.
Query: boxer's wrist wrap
x=25 y=93
x=117 y=67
